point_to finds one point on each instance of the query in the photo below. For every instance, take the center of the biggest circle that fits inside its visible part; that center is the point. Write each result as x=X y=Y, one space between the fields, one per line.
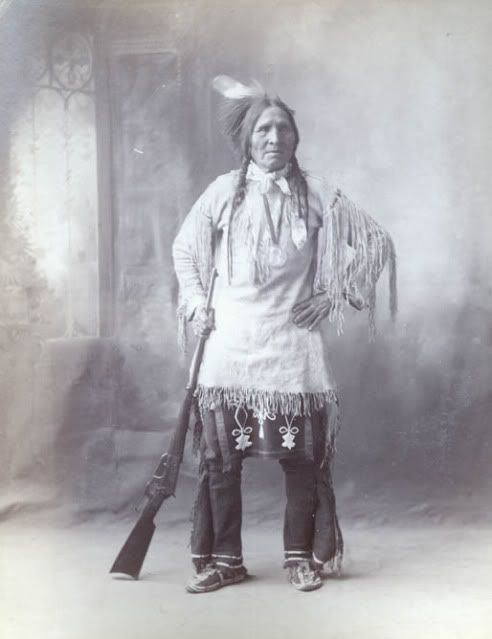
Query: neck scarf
x=267 y=180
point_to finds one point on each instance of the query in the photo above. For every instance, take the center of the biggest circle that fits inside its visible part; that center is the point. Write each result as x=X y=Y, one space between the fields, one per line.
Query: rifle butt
x=132 y=555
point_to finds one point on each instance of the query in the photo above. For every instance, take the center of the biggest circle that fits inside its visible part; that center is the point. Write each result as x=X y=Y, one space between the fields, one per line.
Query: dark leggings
x=217 y=516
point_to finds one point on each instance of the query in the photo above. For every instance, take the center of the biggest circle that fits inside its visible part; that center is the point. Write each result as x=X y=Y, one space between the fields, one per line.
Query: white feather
x=235 y=90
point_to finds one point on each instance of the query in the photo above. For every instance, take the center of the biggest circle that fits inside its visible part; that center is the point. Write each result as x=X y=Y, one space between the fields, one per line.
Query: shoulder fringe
x=345 y=225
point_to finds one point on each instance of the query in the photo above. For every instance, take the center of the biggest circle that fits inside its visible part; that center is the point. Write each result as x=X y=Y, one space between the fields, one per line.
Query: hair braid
x=300 y=188
x=237 y=199
x=240 y=190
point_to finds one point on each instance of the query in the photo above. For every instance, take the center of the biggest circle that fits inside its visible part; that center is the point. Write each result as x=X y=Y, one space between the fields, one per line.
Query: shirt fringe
x=346 y=225
x=263 y=401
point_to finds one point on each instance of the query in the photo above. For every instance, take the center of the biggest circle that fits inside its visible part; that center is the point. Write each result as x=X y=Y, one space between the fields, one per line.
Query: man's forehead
x=273 y=114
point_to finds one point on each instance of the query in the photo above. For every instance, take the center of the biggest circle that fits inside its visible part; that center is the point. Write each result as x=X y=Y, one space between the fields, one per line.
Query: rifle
x=162 y=485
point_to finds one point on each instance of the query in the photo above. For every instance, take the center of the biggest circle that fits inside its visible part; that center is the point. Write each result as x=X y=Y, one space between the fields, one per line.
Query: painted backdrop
x=109 y=133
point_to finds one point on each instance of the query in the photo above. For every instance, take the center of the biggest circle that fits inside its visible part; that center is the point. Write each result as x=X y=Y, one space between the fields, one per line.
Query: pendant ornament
x=289 y=433
x=242 y=434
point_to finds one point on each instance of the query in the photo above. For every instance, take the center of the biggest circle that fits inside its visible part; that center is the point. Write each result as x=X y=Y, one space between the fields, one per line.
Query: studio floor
x=418 y=580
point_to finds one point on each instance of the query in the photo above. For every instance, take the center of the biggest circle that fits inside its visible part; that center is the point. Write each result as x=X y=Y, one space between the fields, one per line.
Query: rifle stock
x=162 y=485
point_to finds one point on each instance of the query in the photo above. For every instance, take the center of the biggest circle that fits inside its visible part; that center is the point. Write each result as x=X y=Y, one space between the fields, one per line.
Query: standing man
x=280 y=240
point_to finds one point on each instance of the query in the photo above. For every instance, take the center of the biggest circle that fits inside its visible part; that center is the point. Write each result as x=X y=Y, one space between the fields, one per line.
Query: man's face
x=273 y=140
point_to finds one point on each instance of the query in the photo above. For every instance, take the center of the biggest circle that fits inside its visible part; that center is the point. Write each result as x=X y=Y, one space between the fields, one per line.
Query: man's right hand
x=203 y=321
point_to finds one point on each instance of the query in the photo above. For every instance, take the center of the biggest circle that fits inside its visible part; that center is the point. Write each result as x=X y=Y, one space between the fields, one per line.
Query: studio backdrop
x=108 y=135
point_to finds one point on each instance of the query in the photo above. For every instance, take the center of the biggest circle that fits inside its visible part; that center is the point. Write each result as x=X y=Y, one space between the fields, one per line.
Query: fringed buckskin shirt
x=257 y=357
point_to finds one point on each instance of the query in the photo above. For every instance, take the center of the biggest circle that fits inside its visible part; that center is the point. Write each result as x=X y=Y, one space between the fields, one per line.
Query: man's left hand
x=311 y=311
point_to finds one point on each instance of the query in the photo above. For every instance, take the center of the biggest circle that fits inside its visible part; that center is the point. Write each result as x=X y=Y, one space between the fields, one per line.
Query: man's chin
x=274 y=165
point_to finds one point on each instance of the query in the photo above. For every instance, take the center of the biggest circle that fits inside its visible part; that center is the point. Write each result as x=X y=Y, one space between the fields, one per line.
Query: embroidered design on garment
x=289 y=433
x=242 y=434
x=262 y=415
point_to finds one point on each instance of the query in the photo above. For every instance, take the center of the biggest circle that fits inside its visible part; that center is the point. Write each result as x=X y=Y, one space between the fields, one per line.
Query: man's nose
x=273 y=136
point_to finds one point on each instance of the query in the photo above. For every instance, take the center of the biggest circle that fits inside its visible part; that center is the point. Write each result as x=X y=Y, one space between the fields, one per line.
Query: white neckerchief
x=266 y=180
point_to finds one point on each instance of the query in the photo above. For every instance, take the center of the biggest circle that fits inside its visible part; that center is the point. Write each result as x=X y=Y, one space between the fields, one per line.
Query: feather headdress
x=235 y=90
x=238 y=100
